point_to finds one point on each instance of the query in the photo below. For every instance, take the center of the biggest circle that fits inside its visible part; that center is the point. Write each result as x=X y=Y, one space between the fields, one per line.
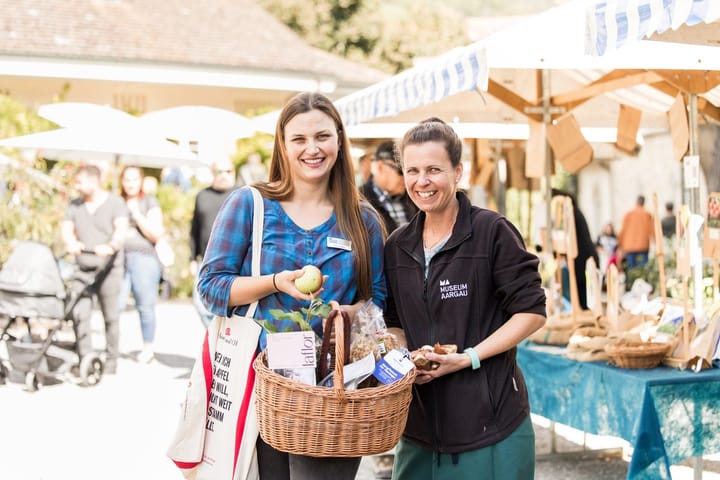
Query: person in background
x=313 y=215
x=668 y=222
x=254 y=170
x=362 y=173
x=606 y=245
x=150 y=186
x=586 y=249
x=207 y=205
x=176 y=176
x=143 y=270
x=636 y=233
x=458 y=274
x=96 y=221
x=585 y=244
x=385 y=189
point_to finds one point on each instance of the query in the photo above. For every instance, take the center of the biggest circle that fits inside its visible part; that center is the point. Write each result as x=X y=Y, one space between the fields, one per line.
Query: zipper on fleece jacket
x=431 y=413
x=435 y=417
x=435 y=421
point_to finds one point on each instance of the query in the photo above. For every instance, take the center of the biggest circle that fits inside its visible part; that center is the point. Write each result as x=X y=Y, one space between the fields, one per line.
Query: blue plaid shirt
x=285 y=246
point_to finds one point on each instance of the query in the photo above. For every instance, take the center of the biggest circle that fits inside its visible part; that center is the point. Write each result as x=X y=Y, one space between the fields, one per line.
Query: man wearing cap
x=385 y=189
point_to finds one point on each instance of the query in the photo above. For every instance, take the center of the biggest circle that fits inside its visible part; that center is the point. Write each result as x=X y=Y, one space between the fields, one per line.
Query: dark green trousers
x=510 y=459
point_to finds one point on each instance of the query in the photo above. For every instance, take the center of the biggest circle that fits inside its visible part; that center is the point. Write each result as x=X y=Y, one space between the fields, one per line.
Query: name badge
x=333 y=242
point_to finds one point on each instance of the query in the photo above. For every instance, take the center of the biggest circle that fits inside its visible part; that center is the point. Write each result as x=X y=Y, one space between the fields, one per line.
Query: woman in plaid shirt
x=313 y=216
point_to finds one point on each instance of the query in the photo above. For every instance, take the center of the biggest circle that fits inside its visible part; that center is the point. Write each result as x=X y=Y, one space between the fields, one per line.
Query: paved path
x=119 y=429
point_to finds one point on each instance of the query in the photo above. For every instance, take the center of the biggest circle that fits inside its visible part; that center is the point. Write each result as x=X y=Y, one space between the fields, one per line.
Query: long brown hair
x=123 y=193
x=341 y=186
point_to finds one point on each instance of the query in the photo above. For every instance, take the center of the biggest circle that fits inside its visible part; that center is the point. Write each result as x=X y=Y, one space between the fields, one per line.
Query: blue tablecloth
x=667 y=415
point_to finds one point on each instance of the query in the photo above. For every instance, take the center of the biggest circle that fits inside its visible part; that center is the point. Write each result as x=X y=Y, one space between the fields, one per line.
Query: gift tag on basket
x=393 y=366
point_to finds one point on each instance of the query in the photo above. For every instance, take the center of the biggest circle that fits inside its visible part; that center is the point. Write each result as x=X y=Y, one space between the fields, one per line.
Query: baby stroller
x=35 y=291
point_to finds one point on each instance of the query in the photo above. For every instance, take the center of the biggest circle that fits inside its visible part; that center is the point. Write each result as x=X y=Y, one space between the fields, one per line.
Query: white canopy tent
x=613 y=24
x=554 y=40
x=506 y=64
x=114 y=146
x=99 y=133
x=197 y=122
x=210 y=131
x=85 y=115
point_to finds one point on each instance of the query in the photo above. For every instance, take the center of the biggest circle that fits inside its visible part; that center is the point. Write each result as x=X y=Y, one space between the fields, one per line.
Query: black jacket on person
x=480 y=278
x=390 y=224
x=207 y=205
x=586 y=250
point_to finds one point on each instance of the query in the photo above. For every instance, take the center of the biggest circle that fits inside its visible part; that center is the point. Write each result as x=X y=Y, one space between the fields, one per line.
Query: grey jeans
x=108 y=299
x=276 y=465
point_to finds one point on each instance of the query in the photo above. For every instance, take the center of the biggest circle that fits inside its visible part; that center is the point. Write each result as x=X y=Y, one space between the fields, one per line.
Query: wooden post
x=659 y=242
x=572 y=253
x=613 y=299
x=716 y=294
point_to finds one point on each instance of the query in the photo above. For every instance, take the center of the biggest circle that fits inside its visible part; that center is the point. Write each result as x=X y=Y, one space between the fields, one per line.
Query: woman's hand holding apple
x=303 y=284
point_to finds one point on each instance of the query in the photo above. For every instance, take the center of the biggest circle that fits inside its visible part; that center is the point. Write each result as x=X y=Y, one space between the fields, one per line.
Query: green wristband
x=470 y=352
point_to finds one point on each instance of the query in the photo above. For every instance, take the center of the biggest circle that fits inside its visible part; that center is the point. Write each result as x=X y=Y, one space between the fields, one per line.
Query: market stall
x=666 y=415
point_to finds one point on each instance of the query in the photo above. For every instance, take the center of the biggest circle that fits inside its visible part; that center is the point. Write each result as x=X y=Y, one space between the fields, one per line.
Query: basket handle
x=340 y=320
x=342 y=352
x=325 y=364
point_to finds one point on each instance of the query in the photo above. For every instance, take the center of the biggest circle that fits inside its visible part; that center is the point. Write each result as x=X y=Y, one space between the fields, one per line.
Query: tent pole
x=547 y=119
x=693 y=195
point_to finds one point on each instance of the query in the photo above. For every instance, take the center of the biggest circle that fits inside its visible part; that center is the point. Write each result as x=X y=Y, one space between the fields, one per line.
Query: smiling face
x=311 y=143
x=131 y=182
x=430 y=177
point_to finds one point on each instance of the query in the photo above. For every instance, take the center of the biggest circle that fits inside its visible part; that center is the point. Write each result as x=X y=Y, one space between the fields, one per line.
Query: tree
x=29 y=207
x=385 y=35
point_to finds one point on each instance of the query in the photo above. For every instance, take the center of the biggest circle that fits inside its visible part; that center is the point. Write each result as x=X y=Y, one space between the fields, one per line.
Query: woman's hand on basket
x=446 y=364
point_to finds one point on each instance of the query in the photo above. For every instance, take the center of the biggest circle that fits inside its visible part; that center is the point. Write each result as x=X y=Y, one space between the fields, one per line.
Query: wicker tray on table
x=330 y=422
x=631 y=354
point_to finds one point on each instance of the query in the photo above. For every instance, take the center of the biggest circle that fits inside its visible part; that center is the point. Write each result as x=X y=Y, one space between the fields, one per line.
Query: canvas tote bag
x=216 y=434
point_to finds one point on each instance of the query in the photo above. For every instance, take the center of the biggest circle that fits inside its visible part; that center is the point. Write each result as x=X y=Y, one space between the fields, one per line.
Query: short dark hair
x=385 y=151
x=669 y=205
x=89 y=170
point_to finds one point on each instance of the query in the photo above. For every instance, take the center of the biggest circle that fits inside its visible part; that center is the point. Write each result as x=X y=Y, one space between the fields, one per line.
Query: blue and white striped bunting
x=461 y=69
x=614 y=23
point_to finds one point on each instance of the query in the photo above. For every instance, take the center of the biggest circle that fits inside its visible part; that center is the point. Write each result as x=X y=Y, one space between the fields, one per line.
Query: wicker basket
x=329 y=422
x=627 y=354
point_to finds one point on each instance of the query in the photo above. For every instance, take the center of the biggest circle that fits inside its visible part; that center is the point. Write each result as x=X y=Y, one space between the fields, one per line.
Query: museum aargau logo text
x=452 y=291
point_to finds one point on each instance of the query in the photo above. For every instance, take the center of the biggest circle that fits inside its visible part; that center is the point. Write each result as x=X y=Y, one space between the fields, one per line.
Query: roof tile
x=216 y=33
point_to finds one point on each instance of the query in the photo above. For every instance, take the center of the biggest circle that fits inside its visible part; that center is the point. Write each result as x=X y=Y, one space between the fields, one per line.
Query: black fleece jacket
x=475 y=283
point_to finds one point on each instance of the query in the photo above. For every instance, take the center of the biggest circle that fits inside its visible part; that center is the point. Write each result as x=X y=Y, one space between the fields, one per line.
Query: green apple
x=311 y=279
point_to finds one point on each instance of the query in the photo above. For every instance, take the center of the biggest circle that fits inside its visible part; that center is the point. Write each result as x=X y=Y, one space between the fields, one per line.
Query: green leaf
x=294 y=316
x=277 y=314
x=320 y=310
x=269 y=326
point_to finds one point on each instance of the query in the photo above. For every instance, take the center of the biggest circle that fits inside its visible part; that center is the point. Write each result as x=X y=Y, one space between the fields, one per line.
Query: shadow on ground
x=176 y=361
